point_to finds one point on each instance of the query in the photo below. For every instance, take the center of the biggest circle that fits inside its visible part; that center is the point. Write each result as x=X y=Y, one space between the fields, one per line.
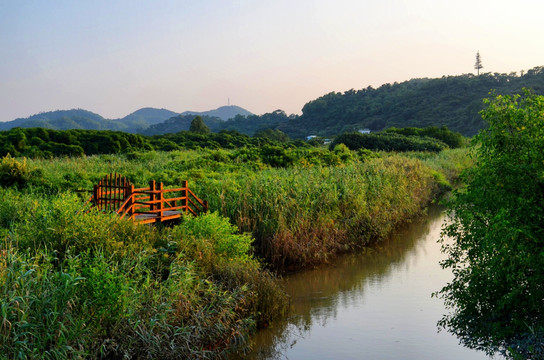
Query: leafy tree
x=198 y=126
x=497 y=234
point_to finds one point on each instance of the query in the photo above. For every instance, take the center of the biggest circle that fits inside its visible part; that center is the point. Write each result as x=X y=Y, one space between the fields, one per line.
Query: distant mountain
x=452 y=101
x=64 y=120
x=223 y=112
x=141 y=119
x=136 y=122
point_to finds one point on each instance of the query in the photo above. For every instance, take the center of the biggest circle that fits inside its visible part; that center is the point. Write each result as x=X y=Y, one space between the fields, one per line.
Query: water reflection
x=371 y=305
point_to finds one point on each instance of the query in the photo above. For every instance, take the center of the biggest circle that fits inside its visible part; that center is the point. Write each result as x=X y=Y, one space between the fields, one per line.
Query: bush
x=451 y=138
x=497 y=233
x=388 y=142
x=14 y=172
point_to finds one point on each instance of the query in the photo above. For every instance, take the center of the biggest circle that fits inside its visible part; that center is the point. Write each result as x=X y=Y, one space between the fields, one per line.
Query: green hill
x=65 y=120
x=136 y=122
x=453 y=101
x=181 y=123
x=143 y=118
x=223 y=112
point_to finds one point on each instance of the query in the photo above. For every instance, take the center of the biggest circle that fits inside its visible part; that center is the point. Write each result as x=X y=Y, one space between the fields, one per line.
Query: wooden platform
x=145 y=205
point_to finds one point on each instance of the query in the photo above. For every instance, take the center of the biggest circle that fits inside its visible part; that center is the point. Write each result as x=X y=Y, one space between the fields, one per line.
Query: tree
x=478 y=64
x=274 y=135
x=497 y=234
x=198 y=126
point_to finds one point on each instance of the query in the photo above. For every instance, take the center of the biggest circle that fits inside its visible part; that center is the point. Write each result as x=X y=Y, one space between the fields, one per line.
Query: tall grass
x=299 y=215
x=302 y=216
x=88 y=285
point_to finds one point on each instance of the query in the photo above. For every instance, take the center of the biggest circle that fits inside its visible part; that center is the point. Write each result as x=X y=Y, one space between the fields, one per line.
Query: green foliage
x=47 y=143
x=212 y=237
x=13 y=172
x=452 y=139
x=194 y=290
x=497 y=252
x=386 y=141
x=86 y=285
x=276 y=156
x=39 y=308
x=453 y=101
x=274 y=135
x=252 y=124
x=304 y=215
x=198 y=126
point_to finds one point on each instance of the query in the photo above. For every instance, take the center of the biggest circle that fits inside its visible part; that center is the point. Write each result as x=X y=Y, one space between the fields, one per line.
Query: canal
x=375 y=304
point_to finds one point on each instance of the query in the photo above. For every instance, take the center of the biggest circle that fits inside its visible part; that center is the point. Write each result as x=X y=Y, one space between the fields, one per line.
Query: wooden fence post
x=152 y=194
x=131 y=201
x=161 y=199
x=185 y=195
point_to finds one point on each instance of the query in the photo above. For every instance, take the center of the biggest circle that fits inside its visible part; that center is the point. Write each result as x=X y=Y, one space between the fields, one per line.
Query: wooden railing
x=145 y=205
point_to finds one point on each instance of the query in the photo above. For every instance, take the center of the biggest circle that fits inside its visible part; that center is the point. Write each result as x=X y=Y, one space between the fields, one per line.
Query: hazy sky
x=114 y=57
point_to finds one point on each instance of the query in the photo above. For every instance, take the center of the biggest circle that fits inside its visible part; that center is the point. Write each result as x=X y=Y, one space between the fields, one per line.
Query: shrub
x=14 y=172
x=496 y=232
x=388 y=142
x=451 y=138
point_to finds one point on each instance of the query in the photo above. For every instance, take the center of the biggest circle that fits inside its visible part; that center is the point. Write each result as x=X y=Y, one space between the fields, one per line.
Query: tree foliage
x=451 y=138
x=198 y=126
x=497 y=234
x=453 y=101
x=275 y=135
x=388 y=141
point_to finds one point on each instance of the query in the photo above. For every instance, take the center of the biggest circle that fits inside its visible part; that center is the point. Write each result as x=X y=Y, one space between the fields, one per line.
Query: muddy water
x=372 y=305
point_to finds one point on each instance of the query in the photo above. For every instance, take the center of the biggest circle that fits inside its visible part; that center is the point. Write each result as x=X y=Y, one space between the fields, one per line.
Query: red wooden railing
x=145 y=205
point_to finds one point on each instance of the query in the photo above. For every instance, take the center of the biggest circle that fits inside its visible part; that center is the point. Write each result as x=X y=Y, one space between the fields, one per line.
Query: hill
x=142 y=118
x=223 y=112
x=181 y=123
x=453 y=101
x=136 y=122
x=64 y=120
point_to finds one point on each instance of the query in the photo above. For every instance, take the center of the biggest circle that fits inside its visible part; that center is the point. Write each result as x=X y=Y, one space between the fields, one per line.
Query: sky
x=115 y=57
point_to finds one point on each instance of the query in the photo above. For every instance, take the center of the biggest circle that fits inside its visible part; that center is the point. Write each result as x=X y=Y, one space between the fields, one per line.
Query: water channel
x=372 y=305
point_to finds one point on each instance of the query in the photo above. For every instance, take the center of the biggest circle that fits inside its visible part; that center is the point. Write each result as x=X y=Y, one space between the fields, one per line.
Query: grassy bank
x=87 y=285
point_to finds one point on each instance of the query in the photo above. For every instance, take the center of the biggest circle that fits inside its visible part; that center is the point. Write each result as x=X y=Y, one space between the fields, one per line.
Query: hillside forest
x=451 y=101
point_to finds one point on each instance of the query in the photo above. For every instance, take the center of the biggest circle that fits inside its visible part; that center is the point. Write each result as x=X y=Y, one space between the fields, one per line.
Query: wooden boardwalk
x=148 y=205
